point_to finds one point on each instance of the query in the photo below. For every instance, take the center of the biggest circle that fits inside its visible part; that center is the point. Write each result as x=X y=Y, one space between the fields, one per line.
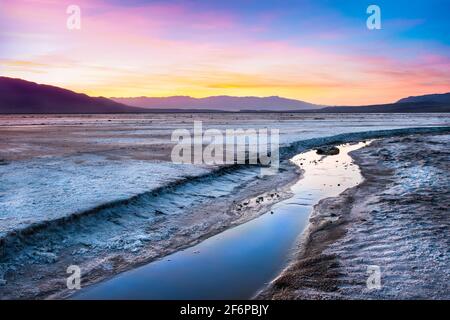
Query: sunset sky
x=319 y=51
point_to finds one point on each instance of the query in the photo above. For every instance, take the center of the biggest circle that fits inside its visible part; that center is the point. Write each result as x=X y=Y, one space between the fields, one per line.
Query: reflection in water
x=238 y=262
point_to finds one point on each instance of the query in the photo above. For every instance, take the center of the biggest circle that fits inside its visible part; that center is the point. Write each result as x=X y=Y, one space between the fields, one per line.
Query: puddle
x=240 y=261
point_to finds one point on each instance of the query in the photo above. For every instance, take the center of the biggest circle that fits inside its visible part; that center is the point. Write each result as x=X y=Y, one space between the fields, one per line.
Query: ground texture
x=398 y=219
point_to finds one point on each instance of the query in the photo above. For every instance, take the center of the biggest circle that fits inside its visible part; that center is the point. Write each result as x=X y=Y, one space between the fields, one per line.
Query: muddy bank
x=397 y=219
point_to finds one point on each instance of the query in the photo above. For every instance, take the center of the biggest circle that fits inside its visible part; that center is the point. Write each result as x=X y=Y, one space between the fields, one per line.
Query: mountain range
x=436 y=98
x=20 y=97
x=227 y=103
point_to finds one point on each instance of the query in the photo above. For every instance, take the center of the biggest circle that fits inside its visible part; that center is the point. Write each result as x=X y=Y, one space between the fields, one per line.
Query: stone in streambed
x=327 y=150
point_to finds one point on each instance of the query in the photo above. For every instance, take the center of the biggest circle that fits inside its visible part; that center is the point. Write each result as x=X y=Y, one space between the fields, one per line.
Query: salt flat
x=104 y=168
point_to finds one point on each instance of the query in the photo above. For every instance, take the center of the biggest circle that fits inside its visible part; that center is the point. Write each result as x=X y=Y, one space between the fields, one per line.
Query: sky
x=319 y=51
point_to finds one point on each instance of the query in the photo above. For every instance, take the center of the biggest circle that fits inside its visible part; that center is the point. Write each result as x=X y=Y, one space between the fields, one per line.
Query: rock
x=327 y=150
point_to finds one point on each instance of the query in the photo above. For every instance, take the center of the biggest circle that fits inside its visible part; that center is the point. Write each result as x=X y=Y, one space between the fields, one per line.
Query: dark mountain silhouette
x=405 y=107
x=436 y=98
x=20 y=96
x=413 y=104
x=226 y=103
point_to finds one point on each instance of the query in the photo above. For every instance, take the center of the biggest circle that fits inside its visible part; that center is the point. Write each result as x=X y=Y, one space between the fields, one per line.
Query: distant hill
x=414 y=104
x=225 y=103
x=20 y=96
x=436 y=98
x=404 y=107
